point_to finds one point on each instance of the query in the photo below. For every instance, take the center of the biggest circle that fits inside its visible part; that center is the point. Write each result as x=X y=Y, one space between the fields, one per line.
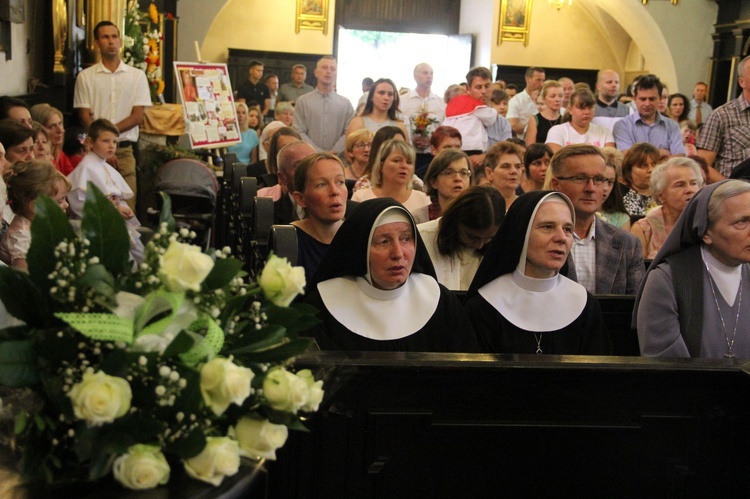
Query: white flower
x=223 y=383
x=259 y=438
x=219 y=458
x=184 y=267
x=100 y=398
x=143 y=467
x=127 y=305
x=281 y=282
x=285 y=391
x=315 y=391
x=185 y=315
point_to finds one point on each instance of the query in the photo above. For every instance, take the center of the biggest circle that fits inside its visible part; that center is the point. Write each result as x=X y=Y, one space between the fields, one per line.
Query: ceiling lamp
x=559 y=4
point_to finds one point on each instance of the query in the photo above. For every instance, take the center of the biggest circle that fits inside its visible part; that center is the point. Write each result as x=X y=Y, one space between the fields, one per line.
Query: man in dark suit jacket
x=604 y=259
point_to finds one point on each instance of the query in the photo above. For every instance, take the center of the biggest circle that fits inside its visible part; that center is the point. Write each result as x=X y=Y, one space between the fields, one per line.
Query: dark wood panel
x=414 y=16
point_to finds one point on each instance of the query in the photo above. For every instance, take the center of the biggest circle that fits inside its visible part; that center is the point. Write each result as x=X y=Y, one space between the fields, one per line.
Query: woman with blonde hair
x=52 y=119
x=247 y=150
x=391 y=177
x=538 y=127
x=358 y=150
x=577 y=127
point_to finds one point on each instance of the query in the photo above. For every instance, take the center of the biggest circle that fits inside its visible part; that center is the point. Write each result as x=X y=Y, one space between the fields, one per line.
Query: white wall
x=14 y=74
x=477 y=18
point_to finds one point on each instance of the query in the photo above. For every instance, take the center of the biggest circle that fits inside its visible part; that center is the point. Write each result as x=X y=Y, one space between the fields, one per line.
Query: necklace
x=730 y=343
x=538 y=343
x=553 y=122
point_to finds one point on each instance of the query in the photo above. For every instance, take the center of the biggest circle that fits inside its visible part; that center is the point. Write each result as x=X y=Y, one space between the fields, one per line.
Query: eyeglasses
x=449 y=173
x=585 y=179
x=363 y=145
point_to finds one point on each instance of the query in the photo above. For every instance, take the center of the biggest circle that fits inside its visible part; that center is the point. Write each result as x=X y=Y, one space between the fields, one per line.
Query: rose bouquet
x=423 y=123
x=176 y=362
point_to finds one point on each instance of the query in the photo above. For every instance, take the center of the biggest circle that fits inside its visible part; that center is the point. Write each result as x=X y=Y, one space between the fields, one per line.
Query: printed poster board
x=208 y=104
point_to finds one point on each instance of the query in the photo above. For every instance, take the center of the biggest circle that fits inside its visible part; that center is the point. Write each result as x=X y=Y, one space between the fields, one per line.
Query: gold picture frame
x=312 y=14
x=515 y=20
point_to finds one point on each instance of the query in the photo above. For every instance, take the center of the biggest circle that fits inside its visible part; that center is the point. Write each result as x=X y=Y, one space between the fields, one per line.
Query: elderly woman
x=358 y=148
x=694 y=300
x=284 y=112
x=536 y=162
x=376 y=289
x=673 y=184
x=392 y=176
x=637 y=165
x=549 y=116
x=518 y=301
x=448 y=175
x=42 y=149
x=52 y=119
x=457 y=240
x=577 y=127
x=503 y=165
x=247 y=149
x=320 y=190
x=380 y=109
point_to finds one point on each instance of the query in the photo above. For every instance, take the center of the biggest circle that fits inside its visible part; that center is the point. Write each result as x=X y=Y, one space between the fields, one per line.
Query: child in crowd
x=499 y=101
x=74 y=145
x=102 y=142
x=470 y=116
x=27 y=180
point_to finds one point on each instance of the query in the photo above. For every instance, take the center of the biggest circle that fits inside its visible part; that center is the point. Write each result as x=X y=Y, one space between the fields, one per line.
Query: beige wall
x=261 y=25
x=15 y=73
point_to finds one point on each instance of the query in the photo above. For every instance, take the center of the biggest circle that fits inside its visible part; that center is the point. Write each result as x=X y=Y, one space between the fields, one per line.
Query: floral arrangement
x=142 y=49
x=423 y=123
x=176 y=362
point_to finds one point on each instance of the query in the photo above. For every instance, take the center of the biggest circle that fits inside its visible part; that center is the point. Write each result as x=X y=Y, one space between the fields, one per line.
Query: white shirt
x=454 y=273
x=95 y=169
x=584 y=257
x=112 y=95
x=522 y=106
x=565 y=135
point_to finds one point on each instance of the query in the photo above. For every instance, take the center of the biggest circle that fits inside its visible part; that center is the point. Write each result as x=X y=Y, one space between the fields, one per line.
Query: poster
x=208 y=104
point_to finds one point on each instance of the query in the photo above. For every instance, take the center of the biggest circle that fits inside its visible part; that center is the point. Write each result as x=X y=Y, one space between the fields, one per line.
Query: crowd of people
x=530 y=201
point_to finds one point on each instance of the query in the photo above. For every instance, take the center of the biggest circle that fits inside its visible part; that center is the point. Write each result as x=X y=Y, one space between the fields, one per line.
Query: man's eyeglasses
x=585 y=179
x=450 y=172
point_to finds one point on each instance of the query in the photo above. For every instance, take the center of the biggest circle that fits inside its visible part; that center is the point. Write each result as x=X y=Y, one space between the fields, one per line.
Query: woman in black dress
x=518 y=302
x=376 y=289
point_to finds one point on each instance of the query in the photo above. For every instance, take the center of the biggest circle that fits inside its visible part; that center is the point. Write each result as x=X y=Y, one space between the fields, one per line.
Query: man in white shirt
x=115 y=91
x=523 y=105
x=416 y=102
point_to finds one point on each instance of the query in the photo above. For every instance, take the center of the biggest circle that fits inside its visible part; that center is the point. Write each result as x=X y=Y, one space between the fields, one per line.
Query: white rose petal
x=220 y=458
x=223 y=383
x=259 y=438
x=285 y=391
x=184 y=267
x=100 y=398
x=143 y=467
x=281 y=282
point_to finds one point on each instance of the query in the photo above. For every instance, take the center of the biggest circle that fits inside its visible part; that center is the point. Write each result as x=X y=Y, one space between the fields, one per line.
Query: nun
x=695 y=299
x=519 y=302
x=376 y=289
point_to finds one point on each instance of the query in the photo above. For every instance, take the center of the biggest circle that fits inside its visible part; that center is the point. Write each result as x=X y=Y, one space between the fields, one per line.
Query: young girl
x=26 y=180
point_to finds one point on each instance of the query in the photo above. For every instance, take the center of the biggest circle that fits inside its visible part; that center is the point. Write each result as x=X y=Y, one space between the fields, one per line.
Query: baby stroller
x=192 y=187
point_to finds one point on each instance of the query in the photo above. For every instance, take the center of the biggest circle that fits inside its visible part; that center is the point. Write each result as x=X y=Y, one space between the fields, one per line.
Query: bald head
x=423 y=75
x=608 y=85
x=289 y=157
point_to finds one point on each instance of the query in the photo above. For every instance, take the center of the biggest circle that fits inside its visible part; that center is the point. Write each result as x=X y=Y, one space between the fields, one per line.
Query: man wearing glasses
x=604 y=259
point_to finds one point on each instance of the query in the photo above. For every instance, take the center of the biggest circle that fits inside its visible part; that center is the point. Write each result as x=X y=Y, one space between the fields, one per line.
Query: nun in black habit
x=518 y=302
x=376 y=289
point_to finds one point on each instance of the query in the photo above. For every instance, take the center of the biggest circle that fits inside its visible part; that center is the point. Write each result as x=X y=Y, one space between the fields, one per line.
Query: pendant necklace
x=730 y=343
x=538 y=343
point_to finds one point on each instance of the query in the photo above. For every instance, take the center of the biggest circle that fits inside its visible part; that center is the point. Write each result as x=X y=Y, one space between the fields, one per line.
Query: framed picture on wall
x=515 y=20
x=312 y=14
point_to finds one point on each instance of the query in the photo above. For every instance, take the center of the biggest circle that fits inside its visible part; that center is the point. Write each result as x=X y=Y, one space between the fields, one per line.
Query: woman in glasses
x=457 y=241
x=449 y=174
x=358 y=148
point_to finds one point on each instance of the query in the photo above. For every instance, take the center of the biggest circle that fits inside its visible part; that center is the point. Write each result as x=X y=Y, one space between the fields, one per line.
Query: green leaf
x=21 y=420
x=49 y=227
x=283 y=352
x=166 y=211
x=190 y=446
x=225 y=269
x=116 y=363
x=258 y=340
x=105 y=229
x=297 y=318
x=181 y=344
x=97 y=278
x=39 y=422
x=22 y=299
x=18 y=363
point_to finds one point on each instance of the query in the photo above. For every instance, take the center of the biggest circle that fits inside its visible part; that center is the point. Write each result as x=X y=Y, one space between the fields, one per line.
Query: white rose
x=259 y=438
x=143 y=467
x=281 y=282
x=314 y=393
x=219 y=458
x=285 y=391
x=100 y=398
x=223 y=382
x=183 y=267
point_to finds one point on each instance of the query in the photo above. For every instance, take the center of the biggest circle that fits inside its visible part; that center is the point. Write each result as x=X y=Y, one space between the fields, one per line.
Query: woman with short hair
x=448 y=175
x=673 y=184
x=358 y=149
x=637 y=165
x=503 y=167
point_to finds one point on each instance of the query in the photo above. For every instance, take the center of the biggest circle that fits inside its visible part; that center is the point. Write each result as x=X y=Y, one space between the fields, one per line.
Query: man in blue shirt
x=648 y=125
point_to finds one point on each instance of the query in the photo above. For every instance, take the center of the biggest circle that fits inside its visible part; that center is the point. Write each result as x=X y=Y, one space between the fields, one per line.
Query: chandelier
x=559 y=4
